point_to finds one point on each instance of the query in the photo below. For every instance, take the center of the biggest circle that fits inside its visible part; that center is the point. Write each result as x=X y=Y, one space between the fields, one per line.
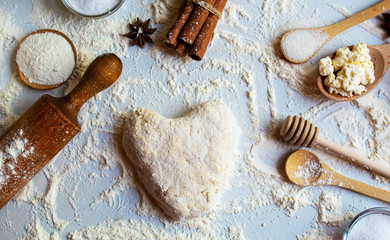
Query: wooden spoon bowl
x=380 y=56
x=304 y=168
x=42 y=86
x=298 y=170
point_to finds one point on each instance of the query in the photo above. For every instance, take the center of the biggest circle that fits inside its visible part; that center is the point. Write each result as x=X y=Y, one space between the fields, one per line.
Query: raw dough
x=183 y=163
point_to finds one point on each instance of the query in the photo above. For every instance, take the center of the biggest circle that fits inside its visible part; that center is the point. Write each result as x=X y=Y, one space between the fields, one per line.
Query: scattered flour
x=9 y=156
x=137 y=229
x=36 y=231
x=314 y=234
x=330 y=209
x=9 y=32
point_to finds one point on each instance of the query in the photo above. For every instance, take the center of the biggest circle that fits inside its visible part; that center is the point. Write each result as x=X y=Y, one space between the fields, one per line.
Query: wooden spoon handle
x=342 y=181
x=100 y=74
x=353 y=20
x=384 y=52
x=354 y=157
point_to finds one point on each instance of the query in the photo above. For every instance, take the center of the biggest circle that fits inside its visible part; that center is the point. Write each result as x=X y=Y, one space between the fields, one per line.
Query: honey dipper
x=301 y=132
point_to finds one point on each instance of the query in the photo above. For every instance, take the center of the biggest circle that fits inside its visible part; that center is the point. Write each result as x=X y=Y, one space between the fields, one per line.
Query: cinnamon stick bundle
x=181 y=48
x=194 y=28
x=171 y=39
x=195 y=23
x=199 y=47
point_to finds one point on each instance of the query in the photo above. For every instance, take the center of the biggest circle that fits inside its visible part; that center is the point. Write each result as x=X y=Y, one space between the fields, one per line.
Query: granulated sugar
x=299 y=45
x=92 y=7
x=371 y=227
x=46 y=59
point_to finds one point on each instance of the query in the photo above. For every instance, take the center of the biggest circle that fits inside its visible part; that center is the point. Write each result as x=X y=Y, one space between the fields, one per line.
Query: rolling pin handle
x=100 y=74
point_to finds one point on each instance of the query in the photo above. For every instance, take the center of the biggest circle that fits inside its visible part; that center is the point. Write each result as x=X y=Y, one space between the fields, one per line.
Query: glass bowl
x=371 y=211
x=100 y=15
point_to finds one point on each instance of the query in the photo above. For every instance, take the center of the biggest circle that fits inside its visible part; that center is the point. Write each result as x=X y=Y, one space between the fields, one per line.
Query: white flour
x=242 y=59
x=46 y=59
x=311 y=170
x=17 y=147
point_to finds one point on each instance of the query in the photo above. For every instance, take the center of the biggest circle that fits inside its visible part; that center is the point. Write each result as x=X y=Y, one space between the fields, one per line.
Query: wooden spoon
x=333 y=30
x=42 y=86
x=306 y=169
x=380 y=56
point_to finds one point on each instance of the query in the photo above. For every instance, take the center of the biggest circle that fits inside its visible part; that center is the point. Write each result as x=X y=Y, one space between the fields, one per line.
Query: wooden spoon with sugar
x=299 y=45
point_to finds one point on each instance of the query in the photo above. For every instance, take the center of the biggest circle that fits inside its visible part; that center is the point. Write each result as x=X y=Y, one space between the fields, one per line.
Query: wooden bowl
x=380 y=69
x=43 y=86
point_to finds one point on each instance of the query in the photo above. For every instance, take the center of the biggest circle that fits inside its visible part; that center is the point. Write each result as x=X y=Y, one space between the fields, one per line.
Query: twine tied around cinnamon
x=208 y=7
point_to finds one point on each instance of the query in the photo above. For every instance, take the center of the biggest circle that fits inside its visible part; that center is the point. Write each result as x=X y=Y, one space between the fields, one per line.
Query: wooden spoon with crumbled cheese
x=299 y=45
x=380 y=58
x=45 y=59
x=306 y=169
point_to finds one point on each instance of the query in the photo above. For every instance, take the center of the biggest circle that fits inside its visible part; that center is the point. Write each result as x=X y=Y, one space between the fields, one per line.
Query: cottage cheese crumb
x=326 y=67
x=354 y=70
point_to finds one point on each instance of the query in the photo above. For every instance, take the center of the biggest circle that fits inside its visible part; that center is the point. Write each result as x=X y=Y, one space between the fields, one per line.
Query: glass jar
x=360 y=216
x=100 y=15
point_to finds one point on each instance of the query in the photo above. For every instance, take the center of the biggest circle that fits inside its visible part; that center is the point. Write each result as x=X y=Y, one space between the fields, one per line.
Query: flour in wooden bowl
x=46 y=58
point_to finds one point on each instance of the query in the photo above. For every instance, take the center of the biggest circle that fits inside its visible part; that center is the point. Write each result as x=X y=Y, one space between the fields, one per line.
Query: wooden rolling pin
x=301 y=132
x=49 y=125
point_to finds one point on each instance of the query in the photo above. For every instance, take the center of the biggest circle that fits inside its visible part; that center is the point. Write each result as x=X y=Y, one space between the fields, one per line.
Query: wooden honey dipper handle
x=100 y=74
x=301 y=132
x=354 y=157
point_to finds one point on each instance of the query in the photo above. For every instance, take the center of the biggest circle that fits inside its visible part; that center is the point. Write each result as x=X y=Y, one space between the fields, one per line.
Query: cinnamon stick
x=201 y=43
x=195 y=23
x=171 y=40
x=181 y=48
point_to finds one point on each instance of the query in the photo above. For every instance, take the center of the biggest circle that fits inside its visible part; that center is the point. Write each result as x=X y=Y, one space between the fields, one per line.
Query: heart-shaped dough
x=183 y=163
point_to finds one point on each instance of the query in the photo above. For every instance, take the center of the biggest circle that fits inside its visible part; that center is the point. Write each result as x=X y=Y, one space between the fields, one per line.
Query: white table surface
x=80 y=190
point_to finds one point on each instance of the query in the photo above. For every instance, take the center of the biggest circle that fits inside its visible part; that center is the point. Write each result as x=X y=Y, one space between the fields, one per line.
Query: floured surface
x=88 y=190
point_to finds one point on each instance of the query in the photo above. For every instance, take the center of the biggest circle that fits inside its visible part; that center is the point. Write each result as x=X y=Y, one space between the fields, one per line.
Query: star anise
x=386 y=23
x=140 y=32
